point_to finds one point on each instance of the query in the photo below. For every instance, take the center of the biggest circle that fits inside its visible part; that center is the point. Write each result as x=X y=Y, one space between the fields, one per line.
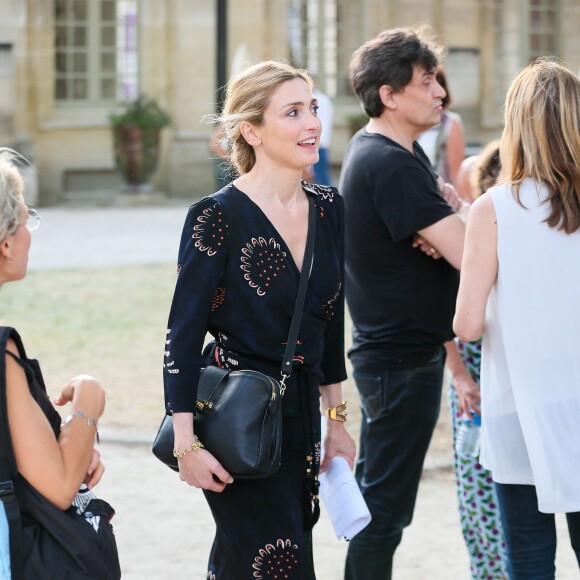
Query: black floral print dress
x=238 y=280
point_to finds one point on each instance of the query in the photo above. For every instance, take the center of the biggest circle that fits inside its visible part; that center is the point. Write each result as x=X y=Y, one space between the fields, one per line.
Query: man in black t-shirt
x=401 y=299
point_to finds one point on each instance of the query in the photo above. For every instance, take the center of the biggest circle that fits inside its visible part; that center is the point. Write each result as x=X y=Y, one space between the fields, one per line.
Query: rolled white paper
x=343 y=500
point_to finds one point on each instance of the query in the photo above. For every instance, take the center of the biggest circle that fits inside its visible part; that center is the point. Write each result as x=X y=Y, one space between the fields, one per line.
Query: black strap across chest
x=301 y=293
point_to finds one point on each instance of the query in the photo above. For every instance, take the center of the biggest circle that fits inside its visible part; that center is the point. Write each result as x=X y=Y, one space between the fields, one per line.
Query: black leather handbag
x=239 y=413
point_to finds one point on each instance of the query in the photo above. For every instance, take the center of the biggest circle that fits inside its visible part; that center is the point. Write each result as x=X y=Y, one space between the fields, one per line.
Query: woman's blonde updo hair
x=11 y=192
x=247 y=97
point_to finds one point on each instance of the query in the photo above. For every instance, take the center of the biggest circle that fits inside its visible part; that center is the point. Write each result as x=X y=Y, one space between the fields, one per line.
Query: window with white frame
x=319 y=37
x=524 y=30
x=96 y=58
x=543 y=29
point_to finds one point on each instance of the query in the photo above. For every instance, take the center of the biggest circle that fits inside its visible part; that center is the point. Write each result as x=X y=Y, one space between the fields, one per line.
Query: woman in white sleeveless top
x=520 y=288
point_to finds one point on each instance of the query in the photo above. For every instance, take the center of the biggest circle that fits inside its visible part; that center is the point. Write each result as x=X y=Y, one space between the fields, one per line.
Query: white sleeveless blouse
x=530 y=372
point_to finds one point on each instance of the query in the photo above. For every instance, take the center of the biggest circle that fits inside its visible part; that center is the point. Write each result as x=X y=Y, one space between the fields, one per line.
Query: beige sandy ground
x=164 y=528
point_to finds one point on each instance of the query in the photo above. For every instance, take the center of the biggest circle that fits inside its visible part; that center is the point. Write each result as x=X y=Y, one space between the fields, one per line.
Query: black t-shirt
x=401 y=301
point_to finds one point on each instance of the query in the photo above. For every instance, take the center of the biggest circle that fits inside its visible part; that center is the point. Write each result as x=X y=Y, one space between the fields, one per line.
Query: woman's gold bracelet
x=197 y=444
x=337 y=413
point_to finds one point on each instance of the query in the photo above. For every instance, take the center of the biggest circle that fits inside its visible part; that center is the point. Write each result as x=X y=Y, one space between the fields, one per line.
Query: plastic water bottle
x=467 y=440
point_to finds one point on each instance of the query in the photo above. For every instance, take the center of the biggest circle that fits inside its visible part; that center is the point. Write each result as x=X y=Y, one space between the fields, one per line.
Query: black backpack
x=46 y=542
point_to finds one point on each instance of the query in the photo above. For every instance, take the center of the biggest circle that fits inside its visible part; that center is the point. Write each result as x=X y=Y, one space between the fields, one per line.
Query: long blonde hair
x=247 y=97
x=11 y=192
x=541 y=138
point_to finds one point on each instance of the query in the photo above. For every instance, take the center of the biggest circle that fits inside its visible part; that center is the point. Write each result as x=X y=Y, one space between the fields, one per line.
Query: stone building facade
x=65 y=64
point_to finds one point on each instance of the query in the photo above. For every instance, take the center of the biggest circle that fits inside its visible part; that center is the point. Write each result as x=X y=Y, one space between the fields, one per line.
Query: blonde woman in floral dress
x=240 y=261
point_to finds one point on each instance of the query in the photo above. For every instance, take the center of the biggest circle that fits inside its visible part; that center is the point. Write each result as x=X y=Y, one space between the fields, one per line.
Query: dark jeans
x=399 y=412
x=531 y=534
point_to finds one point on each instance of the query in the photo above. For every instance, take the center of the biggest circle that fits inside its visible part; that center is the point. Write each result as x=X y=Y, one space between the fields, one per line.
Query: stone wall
x=177 y=51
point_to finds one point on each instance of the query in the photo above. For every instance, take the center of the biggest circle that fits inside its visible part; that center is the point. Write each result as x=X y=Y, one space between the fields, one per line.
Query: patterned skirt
x=476 y=497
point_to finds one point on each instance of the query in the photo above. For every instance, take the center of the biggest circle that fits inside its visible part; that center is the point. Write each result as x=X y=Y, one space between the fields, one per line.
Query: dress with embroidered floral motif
x=237 y=280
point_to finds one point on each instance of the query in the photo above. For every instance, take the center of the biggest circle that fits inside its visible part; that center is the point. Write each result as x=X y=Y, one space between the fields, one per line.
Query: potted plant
x=136 y=130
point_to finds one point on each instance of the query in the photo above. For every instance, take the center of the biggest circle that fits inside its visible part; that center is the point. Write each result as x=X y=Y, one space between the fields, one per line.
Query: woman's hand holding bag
x=201 y=469
x=198 y=466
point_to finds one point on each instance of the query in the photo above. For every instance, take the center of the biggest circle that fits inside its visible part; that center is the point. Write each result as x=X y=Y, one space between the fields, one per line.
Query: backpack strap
x=8 y=469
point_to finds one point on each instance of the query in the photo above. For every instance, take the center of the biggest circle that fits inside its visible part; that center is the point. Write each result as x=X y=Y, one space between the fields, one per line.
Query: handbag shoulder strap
x=8 y=470
x=300 y=295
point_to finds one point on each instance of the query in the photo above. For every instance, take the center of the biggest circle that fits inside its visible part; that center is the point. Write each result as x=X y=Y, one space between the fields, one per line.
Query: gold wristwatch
x=337 y=413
